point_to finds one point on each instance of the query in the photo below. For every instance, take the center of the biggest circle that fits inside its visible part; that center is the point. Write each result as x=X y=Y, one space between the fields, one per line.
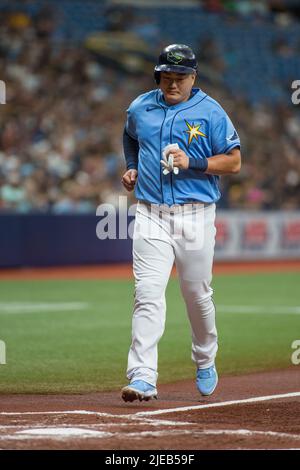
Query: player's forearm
x=131 y=151
x=224 y=164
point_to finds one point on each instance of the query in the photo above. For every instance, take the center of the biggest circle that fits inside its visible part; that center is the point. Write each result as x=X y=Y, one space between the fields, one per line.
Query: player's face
x=176 y=87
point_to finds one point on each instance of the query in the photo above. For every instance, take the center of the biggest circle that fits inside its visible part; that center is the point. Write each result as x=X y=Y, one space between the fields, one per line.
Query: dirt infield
x=253 y=411
x=124 y=271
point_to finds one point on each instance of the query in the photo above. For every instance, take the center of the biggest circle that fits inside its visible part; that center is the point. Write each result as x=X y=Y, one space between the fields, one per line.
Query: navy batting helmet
x=175 y=58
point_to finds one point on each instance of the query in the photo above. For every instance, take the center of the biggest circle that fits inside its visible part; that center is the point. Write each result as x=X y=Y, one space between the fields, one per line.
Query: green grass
x=81 y=351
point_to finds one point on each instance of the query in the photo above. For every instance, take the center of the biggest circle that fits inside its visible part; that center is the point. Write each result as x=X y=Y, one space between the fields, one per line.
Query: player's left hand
x=180 y=159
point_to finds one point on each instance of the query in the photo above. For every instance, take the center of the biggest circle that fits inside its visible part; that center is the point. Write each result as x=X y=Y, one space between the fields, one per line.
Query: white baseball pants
x=184 y=234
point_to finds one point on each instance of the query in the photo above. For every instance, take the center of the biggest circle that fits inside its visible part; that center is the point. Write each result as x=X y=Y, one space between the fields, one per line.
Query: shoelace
x=205 y=374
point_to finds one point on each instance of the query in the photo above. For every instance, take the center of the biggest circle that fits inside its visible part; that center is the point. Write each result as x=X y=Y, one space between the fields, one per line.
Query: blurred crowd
x=61 y=128
x=278 y=10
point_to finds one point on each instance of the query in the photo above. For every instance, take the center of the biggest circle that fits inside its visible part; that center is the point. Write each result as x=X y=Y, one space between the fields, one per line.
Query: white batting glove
x=167 y=162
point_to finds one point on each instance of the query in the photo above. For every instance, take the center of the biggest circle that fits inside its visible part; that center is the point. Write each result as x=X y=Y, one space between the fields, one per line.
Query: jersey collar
x=196 y=95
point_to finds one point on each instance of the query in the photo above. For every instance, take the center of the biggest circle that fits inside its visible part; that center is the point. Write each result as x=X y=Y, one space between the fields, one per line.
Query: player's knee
x=148 y=290
x=203 y=303
x=199 y=292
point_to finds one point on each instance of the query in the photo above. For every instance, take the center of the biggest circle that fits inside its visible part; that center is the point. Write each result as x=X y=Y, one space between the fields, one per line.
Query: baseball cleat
x=207 y=380
x=139 y=390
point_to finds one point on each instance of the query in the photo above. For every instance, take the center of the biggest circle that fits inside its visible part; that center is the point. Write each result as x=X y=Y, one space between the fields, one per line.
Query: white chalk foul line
x=155 y=412
x=68 y=412
x=129 y=417
x=217 y=404
x=67 y=432
x=60 y=433
x=249 y=432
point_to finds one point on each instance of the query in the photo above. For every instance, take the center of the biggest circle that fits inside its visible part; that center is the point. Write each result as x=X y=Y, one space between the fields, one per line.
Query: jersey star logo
x=193 y=131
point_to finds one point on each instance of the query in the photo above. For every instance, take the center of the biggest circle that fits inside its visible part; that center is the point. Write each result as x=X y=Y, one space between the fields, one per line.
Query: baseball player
x=177 y=142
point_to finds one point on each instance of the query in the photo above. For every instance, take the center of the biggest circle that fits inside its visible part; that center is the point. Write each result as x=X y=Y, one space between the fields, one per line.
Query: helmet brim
x=174 y=68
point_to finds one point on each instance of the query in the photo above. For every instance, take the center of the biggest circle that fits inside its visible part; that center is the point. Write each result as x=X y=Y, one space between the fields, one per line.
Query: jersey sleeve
x=131 y=151
x=130 y=125
x=224 y=136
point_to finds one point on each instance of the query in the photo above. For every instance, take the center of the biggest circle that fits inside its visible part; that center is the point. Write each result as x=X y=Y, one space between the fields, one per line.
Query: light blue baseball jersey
x=200 y=127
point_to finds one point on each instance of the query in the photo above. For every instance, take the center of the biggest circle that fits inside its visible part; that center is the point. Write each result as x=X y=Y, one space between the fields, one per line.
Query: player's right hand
x=129 y=179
